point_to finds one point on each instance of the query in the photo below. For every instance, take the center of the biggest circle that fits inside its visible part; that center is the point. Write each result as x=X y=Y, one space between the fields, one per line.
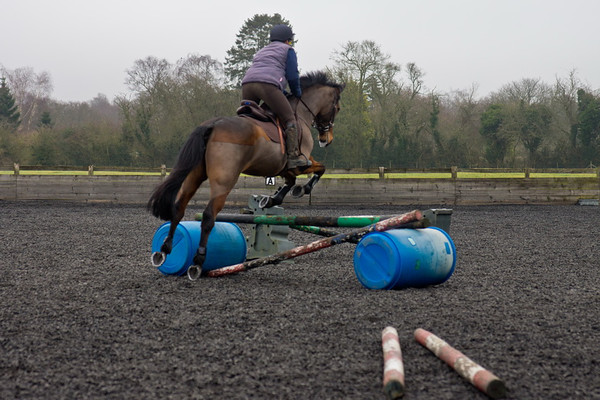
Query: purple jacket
x=275 y=64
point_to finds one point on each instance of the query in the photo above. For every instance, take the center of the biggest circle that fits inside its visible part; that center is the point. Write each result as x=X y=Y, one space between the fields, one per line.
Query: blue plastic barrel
x=226 y=246
x=401 y=258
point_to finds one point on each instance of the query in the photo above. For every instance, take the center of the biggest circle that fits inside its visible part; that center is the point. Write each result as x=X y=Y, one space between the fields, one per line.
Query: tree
x=565 y=105
x=46 y=120
x=535 y=120
x=9 y=112
x=31 y=92
x=434 y=121
x=366 y=64
x=492 y=121
x=588 y=125
x=253 y=36
x=527 y=90
x=147 y=75
x=353 y=132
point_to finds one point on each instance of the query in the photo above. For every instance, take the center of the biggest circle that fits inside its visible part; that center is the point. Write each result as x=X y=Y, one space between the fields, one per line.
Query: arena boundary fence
x=136 y=189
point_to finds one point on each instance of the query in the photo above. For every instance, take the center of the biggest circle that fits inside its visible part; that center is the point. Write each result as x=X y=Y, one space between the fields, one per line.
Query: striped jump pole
x=393 y=367
x=357 y=221
x=478 y=376
x=390 y=223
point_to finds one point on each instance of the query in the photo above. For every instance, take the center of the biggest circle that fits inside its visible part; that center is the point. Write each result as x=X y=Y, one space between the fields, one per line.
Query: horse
x=222 y=148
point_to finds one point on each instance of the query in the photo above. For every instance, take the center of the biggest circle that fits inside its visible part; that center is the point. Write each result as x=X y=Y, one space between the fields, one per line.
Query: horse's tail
x=162 y=201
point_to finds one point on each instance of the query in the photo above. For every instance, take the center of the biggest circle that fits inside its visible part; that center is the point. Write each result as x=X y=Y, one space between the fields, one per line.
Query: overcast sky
x=86 y=45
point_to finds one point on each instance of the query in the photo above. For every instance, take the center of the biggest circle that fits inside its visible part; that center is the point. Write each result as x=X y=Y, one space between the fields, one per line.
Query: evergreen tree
x=497 y=140
x=9 y=112
x=46 y=120
x=253 y=36
x=588 y=126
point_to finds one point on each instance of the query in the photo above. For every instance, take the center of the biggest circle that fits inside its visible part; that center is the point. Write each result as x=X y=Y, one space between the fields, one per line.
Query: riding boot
x=295 y=159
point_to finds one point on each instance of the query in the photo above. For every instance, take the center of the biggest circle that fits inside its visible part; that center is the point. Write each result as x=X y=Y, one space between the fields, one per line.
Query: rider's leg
x=280 y=105
x=295 y=159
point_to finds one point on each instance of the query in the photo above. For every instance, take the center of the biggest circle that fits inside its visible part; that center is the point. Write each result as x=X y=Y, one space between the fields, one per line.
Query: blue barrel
x=401 y=258
x=226 y=246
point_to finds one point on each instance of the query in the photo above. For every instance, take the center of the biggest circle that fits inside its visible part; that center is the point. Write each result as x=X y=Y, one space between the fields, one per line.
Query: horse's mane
x=318 y=78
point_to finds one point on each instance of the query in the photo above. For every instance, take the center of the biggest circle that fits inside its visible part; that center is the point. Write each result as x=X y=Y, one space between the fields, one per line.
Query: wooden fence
x=94 y=187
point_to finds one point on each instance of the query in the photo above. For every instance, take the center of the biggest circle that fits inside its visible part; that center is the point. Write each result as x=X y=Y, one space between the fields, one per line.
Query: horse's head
x=324 y=96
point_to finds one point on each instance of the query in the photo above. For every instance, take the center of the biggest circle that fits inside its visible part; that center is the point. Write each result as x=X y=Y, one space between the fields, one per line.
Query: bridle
x=320 y=126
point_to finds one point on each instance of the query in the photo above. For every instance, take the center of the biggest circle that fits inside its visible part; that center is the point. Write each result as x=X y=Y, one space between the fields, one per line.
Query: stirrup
x=299 y=161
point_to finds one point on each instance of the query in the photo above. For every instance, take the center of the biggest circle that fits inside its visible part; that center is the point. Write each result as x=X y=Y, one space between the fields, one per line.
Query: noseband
x=319 y=126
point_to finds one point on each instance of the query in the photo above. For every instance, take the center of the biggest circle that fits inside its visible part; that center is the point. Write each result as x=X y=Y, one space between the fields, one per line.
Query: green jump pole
x=358 y=221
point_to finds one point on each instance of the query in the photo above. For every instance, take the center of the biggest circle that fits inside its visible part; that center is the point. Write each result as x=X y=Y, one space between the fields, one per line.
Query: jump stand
x=439 y=217
x=265 y=239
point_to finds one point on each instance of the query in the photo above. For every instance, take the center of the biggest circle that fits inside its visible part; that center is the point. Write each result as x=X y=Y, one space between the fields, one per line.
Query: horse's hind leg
x=214 y=206
x=185 y=194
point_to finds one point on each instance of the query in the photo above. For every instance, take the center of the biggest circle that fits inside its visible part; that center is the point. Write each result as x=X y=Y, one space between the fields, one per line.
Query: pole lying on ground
x=393 y=367
x=478 y=376
x=381 y=226
x=357 y=221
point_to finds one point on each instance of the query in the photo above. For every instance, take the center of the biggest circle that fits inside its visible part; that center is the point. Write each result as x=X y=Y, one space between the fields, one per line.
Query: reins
x=320 y=127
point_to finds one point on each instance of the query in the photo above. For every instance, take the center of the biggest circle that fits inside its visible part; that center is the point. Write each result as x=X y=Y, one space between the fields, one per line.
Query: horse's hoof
x=266 y=202
x=298 y=191
x=194 y=272
x=158 y=258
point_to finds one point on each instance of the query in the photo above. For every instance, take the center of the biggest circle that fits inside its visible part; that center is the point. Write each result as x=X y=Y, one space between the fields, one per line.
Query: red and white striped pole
x=478 y=376
x=387 y=224
x=393 y=368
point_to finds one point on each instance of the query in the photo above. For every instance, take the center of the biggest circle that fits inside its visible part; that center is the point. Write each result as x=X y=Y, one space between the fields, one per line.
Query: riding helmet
x=281 y=33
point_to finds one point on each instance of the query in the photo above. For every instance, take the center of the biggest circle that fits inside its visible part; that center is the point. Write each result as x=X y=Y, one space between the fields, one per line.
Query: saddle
x=263 y=117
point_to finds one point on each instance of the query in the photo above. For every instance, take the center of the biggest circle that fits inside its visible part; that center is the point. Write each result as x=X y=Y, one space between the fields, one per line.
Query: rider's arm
x=291 y=73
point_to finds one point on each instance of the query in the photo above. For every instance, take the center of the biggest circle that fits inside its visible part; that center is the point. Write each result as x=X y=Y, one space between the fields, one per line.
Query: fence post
x=454 y=172
x=381 y=172
x=527 y=172
x=598 y=176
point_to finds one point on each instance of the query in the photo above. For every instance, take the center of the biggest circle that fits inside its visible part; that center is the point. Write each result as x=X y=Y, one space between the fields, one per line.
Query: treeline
x=388 y=118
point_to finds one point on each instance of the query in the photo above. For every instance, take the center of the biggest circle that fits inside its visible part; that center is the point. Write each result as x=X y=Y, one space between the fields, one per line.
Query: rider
x=273 y=68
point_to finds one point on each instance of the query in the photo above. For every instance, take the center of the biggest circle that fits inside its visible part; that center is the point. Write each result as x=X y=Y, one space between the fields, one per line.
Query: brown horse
x=223 y=148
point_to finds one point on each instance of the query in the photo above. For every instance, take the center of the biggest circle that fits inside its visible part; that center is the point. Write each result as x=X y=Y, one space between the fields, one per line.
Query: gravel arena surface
x=84 y=314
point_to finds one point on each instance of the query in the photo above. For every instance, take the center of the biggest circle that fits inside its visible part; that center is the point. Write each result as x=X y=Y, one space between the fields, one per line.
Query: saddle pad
x=269 y=128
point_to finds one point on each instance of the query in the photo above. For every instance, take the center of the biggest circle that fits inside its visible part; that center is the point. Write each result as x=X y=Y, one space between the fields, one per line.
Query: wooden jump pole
x=194 y=272
x=393 y=367
x=478 y=376
x=320 y=231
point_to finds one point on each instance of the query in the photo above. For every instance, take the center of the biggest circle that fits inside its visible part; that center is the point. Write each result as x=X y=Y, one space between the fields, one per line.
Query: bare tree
x=528 y=90
x=31 y=92
x=201 y=68
x=147 y=75
x=565 y=104
x=366 y=64
x=415 y=77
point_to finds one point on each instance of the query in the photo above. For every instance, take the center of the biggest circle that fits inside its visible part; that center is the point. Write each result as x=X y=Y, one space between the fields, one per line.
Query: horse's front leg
x=277 y=198
x=318 y=170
